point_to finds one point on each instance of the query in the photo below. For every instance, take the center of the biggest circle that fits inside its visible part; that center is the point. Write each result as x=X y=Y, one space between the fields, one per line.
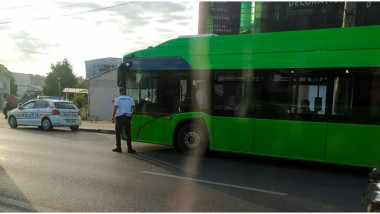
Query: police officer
x=121 y=115
x=5 y=108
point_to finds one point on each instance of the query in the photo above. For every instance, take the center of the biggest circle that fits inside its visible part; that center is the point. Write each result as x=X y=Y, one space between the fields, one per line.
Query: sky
x=35 y=34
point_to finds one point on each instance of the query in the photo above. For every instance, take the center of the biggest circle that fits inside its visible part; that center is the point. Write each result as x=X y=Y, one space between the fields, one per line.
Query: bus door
x=232 y=125
x=290 y=107
x=158 y=99
x=353 y=129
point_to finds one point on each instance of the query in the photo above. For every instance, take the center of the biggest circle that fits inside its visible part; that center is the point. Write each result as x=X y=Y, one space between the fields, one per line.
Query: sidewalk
x=106 y=127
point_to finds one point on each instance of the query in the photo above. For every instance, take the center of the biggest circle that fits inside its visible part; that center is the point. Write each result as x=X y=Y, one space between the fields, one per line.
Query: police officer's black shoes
x=132 y=151
x=117 y=150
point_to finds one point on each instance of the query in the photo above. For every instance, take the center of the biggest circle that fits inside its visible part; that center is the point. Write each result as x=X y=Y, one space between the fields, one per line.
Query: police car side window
x=41 y=104
x=29 y=105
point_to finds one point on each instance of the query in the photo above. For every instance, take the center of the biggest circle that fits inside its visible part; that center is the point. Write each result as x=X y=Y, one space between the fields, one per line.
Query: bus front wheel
x=192 y=139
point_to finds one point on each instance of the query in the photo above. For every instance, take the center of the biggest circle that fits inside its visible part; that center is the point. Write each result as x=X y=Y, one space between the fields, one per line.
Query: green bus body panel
x=322 y=59
x=353 y=144
x=233 y=134
x=338 y=47
x=349 y=144
x=176 y=119
x=144 y=128
x=294 y=139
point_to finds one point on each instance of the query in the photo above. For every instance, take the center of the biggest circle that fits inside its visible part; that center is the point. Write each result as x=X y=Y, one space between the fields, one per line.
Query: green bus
x=308 y=95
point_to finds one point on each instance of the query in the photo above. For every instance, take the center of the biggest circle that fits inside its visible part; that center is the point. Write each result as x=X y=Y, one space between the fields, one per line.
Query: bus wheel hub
x=192 y=139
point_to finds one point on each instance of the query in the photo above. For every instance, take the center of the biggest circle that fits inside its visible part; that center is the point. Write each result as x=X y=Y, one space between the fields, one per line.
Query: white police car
x=46 y=113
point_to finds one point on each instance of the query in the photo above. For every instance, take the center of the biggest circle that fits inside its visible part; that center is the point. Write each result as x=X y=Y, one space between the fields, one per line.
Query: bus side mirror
x=318 y=104
x=122 y=75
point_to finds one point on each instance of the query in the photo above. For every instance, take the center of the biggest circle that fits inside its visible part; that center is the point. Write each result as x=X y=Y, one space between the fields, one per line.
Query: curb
x=104 y=131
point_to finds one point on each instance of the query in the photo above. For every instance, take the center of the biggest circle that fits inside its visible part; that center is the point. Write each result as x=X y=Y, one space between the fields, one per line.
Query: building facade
x=102 y=90
x=290 y=16
x=25 y=88
x=4 y=86
x=97 y=66
x=224 y=18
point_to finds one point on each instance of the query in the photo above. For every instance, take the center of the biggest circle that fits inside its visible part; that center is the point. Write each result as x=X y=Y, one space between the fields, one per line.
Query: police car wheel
x=12 y=122
x=74 y=128
x=46 y=124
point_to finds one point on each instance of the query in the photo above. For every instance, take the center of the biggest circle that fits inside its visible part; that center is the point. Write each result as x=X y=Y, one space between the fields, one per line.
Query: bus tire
x=373 y=208
x=192 y=139
x=12 y=122
x=46 y=124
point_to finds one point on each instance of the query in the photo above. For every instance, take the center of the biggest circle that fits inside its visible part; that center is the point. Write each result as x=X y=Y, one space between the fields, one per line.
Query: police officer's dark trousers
x=123 y=122
x=5 y=112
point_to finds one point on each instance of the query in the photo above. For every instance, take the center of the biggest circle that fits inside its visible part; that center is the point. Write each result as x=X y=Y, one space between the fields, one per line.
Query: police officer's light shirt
x=124 y=105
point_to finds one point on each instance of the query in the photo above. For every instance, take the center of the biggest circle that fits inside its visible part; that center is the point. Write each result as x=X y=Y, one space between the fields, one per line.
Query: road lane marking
x=20 y=204
x=166 y=163
x=217 y=183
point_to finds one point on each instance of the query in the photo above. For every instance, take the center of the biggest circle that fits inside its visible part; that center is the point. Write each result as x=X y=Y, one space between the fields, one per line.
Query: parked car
x=371 y=196
x=46 y=113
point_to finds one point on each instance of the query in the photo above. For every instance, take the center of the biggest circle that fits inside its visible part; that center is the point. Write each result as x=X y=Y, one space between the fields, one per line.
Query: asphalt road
x=77 y=172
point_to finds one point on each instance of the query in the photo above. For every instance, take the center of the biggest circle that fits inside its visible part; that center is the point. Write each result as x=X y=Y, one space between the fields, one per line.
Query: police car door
x=26 y=113
x=41 y=108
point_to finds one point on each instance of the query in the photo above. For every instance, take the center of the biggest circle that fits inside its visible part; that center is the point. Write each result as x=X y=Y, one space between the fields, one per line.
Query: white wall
x=23 y=82
x=97 y=66
x=102 y=89
x=5 y=85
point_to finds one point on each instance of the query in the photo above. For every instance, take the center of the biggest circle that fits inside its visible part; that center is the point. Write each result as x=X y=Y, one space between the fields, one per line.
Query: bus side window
x=289 y=94
x=230 y=93
x=355 y=96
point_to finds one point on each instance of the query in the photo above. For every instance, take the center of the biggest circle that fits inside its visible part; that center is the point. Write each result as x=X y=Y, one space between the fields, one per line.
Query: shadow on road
x=310 y=186
x=11 y=197
x=169 y=156
x=38 y=130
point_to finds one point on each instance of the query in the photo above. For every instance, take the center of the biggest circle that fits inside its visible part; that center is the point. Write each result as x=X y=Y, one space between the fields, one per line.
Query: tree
x=80 y=80
x=37 y=80
x=82 y=83
x=13 y=86
x=64 y=71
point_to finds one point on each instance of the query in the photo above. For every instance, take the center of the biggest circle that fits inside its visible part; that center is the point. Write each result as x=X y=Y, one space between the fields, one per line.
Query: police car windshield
x=64 y=105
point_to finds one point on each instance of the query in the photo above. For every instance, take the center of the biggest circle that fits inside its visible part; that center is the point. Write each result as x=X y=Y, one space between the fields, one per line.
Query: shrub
x=79 y=100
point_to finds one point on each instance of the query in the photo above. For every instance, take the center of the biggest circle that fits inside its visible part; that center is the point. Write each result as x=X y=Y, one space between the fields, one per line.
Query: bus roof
x=335 y=47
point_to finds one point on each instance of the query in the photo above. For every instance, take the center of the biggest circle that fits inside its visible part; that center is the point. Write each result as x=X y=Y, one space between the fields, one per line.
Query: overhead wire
x=45 y=18
x=16 y=7
x=31 y=5
x=74 y=14
x=98 y=9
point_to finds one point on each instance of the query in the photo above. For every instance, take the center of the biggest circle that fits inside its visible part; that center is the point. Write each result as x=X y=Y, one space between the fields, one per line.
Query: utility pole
x=59 y=87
